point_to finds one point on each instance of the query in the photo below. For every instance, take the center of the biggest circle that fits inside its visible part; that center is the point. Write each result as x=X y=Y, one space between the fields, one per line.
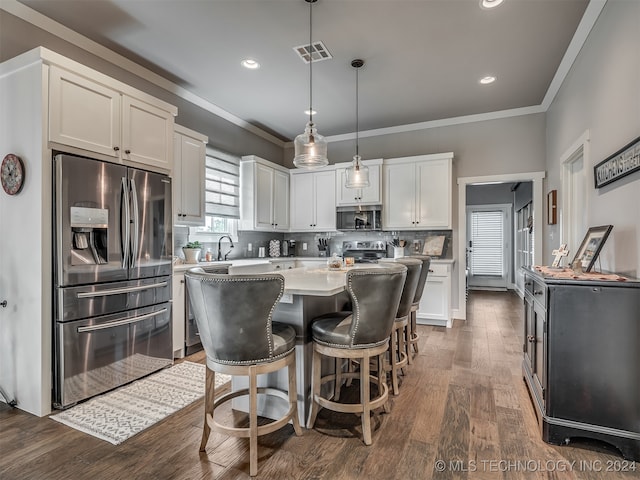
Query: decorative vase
x=191 y=255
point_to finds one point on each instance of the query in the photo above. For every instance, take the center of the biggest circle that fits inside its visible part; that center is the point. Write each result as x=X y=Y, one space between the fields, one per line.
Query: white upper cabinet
x=313 y=201
x=99 y=116
x=147 y=134
x=83 y=114
x=417 y=192
x=264 y=195
x=370 y=195
x=188 y=177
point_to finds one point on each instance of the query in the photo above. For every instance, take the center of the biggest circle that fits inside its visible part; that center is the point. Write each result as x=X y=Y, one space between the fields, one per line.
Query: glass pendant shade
x=310 y=149
x=357 y=176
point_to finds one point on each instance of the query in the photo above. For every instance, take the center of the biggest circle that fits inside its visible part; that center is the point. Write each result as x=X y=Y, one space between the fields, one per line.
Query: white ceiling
x=423 y=58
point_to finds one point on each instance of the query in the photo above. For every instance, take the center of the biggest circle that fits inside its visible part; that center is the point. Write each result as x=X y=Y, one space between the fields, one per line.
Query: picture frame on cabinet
x=591 y=245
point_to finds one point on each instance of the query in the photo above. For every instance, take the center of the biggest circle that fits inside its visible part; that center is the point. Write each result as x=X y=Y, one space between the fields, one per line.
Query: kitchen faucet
x=219 y=251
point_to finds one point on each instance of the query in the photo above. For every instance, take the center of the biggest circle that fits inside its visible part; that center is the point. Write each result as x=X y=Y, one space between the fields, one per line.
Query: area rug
x=122 y=413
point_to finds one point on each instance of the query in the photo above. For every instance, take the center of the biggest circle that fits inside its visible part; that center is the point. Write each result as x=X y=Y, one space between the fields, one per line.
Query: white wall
x=601 y=95
x=25 y=269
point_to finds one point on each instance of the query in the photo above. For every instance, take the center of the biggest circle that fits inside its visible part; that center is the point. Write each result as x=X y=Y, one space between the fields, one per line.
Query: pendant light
x=357 y=176
x=310 y=147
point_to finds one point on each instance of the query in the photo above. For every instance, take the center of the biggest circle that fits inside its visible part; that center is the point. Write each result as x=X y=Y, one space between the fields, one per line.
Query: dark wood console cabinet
x=582 y=359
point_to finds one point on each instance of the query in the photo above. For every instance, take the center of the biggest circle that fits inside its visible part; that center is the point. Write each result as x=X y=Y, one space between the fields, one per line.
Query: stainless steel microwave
x=359 y=218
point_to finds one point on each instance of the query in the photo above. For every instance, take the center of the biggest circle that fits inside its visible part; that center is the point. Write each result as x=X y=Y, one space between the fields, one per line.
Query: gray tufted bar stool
x=359 y=335
x=234 y=317
x=413 y=337
x=398 y=357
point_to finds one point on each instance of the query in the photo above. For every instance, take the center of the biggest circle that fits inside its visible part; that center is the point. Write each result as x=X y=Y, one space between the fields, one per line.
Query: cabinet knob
x=4 y=304
x=537 y=292
x=181 y=281
x=127 y=151
x=531 y=338
x=116 y=148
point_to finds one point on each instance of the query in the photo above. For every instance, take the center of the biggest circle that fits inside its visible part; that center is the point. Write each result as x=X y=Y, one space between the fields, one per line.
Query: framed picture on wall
x=591 y=246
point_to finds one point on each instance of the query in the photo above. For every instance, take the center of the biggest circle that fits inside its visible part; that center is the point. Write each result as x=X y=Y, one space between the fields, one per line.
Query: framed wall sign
x=622 y=163
x=552 y=207
x=591 y=246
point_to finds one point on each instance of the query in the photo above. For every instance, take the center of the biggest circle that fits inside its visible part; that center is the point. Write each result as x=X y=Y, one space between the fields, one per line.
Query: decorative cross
x=559 y=253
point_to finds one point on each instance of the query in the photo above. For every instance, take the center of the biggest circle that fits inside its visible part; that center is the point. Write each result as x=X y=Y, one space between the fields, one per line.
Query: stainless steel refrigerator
x=112 y=276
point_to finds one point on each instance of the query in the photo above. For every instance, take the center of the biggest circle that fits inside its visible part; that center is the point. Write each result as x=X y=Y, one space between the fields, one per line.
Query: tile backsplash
x=414 y=242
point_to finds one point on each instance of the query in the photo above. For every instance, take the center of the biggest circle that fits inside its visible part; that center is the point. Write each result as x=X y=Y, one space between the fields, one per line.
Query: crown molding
x=592 y=12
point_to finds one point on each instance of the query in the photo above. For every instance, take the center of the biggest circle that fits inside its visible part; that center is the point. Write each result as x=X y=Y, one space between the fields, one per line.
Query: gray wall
x=601 y=95
x=489 y=194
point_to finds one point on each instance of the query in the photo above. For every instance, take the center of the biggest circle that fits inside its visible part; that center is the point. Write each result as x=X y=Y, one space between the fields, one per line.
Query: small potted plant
x=192 y=252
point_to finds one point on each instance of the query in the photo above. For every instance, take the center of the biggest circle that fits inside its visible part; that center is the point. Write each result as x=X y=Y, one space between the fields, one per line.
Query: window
x=487 y=238
x=222 y=196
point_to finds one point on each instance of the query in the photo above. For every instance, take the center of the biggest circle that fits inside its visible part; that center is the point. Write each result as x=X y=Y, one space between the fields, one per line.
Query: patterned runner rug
x=120 y=414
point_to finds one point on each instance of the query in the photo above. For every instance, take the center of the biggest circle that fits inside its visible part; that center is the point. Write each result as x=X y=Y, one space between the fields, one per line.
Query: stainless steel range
x=369 y=251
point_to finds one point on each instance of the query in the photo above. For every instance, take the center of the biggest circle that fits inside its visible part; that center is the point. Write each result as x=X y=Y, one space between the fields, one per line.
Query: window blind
x=222 y=184
x=488 y=244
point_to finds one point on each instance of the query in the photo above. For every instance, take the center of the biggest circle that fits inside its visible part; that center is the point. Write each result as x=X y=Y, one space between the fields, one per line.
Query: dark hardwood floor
x=463 y=412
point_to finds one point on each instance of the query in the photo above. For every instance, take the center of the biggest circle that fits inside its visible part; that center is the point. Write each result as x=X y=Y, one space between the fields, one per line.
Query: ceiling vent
x=316 y=52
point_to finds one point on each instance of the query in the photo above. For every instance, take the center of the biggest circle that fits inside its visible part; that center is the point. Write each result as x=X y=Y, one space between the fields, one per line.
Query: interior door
x=490 y=244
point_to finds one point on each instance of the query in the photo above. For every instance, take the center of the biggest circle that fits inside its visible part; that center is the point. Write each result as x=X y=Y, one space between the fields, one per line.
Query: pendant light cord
x=310 y=63
x=357 y=127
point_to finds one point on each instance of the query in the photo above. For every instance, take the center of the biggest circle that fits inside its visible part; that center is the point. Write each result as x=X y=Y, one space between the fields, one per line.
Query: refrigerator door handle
x=124 y=223
x=136 y=223
x=117 y=323
x=118 y=291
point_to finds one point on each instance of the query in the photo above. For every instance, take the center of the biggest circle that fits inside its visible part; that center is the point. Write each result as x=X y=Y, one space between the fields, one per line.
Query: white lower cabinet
x=177 y=312
x=435 y=304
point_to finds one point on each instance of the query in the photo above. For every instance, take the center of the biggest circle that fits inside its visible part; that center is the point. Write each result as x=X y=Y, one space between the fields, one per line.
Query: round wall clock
x=12 y=174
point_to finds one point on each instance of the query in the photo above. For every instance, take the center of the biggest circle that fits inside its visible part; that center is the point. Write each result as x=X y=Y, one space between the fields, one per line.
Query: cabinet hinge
x=544 y=393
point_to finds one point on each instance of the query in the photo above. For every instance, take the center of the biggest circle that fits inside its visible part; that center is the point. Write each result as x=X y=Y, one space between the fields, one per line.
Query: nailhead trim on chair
x=220 y=278
x=261 y=360
x=356 y=310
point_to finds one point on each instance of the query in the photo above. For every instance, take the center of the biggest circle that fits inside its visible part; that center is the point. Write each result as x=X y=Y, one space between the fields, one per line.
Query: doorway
x=573 y=216
x=536 y=226
x=489 y=243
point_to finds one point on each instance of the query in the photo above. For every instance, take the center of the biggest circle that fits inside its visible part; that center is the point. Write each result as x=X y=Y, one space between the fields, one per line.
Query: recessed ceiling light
x=487 y=4
x=250 y=63
x=312 y=112
x=487 y=80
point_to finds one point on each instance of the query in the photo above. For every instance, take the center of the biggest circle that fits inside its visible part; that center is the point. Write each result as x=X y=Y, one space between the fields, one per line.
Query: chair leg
x=408 y=342
x=414 y=331
x=253 y=422
x=209 y=399
x=365 y=399
x=293 y=397
x=338 y=382
x=350 y=370
x=393 y=348
x=382 y=377
x=315 y=388
x=402 y=345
